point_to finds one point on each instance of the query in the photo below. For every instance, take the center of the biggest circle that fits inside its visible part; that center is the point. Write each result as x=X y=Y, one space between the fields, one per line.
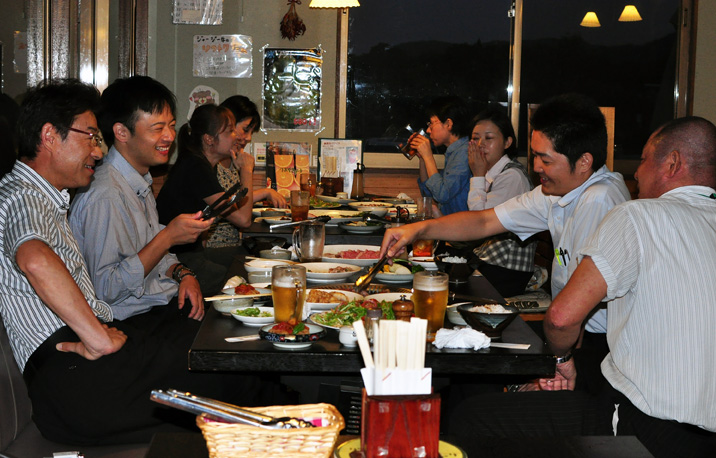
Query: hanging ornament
x=292 y=25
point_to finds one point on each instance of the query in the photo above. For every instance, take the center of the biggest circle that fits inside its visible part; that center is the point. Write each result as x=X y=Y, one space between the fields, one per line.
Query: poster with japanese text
x=222 y=56
x=292 y=89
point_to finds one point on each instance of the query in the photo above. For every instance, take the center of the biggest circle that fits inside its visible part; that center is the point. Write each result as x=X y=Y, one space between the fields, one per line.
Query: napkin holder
x=403 y=426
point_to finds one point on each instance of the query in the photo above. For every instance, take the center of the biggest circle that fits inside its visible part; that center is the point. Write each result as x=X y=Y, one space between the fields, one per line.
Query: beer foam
x=284 y=283
x=427 y=285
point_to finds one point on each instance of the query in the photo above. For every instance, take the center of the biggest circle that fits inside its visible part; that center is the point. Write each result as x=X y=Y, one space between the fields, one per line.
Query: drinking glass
x=406 y=149
x=308 y=182
x=308 y=241
x=288 y=290
x=430 y=297
x=300 y=202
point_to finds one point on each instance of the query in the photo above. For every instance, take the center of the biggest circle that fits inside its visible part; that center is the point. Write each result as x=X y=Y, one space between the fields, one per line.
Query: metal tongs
x=222 y=411
x=233 y=194
x=320 y=219
x=364 y=281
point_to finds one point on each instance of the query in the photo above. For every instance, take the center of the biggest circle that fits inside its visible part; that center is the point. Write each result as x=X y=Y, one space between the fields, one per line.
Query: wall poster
x=203 y=12
x=222 y=56
x=292 y=89
x=284 y=163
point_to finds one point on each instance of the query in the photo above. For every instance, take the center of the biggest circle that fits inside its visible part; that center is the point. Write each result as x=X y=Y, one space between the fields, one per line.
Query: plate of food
x=328 y=271
x=271 y=220
x=360 y=205
x=337 y=216
x=259 y=295
x=264 y=265
x=400 y=272
x=427 y=262
x=292 y=337
x=269 y=211
x=254 y=316
x=361 y=227
x=335 y=200
x=359 y=255
x=315 y=202
x=346 y=314
x=326 y=299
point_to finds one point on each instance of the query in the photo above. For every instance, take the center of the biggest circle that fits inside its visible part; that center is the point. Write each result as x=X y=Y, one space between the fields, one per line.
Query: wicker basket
x=231 y=440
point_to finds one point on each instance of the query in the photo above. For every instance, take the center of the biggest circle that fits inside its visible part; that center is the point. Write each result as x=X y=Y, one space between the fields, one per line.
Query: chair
x=608 y=112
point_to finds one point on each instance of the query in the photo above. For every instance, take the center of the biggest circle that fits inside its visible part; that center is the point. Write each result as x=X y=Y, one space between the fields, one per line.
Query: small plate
x=263 y=265
x=320 y=203
x=335 y=199
x=266 y=211
x=358 y=205
x=330 y=305
x=428 y=263
x=255 y=320
x=446 y=450
x=291 y=342
x=334 y=249
x=271 y=220
x=355 y=227
x=318 y=271
x=393 y=278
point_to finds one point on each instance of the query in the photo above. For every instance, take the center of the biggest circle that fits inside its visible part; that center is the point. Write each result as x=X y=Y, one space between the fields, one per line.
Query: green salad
x=252 y=311
x=346 y=314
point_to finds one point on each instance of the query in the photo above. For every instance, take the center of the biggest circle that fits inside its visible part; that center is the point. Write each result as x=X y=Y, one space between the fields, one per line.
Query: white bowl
x=257 y=265
x=229 y=305
x=256 y=320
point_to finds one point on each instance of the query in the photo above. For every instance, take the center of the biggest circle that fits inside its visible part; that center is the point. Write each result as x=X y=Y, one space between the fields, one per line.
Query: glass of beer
x=288 y=290
x=300 y=202
x=430 y=297
x=308 y=182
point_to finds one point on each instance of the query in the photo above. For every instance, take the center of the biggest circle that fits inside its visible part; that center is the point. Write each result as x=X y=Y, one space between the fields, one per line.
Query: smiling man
x=115 y=219
x=576 y=191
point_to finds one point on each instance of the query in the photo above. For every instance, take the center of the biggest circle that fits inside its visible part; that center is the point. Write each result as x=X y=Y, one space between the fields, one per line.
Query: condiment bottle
x=403 y=309
x=357 y=191
x=371 y=318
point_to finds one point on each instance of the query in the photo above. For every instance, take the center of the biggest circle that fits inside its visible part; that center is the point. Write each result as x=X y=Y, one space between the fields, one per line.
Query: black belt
x=46 y=351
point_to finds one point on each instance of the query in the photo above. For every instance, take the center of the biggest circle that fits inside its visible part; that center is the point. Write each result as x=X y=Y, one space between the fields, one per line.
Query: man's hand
x=277 y=200
x=565 y=378
x=189 y=289
x=115 y=340
x=186 y=228
x=396 y=238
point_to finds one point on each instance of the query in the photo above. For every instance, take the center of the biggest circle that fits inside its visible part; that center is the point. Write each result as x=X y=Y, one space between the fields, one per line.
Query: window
x=403 y=54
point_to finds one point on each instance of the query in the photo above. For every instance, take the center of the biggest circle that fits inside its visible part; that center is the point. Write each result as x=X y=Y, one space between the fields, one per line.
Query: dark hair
x=575 y=125
x=126 y=97
x=500 y=119
x=57 y=102
x=207 y=119
x=243 y=108
x=453 y=108
x=695 y=139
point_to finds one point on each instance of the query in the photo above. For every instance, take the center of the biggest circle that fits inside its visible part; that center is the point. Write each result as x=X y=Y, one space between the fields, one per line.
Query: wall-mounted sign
x=222 y=56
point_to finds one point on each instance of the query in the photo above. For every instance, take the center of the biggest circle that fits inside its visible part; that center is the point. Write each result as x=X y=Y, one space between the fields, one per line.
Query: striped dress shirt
x=32 y=209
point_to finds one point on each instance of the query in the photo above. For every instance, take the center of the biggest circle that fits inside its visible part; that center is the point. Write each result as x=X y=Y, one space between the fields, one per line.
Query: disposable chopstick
x=224 y=297
x=363 y=343
x=402 y=344
x=392 y=343
x=512 y=346
x=242 y=338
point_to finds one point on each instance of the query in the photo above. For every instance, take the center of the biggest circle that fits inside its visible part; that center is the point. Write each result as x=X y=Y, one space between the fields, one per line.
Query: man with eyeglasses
x=88 y=377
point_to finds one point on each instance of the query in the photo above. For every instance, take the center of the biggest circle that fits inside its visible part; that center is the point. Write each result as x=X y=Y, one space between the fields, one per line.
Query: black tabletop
x=210 y=352
x=335 y=235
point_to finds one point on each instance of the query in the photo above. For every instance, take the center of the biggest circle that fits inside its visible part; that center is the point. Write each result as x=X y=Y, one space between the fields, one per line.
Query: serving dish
x=329 y=305
x=360 y=227
x=363 y=262
x=264 y=294
x=337 y=216
x=318 y=271
x=491 y=324
x=226 y=306
x=255 y=320
x=393 y=277
x=263 y=265
x=292 y=342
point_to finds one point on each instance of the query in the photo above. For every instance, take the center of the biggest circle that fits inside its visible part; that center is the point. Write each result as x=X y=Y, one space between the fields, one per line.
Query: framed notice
x=339 y=157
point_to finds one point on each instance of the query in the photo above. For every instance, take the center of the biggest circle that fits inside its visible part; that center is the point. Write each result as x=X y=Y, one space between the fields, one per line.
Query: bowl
x=260 y=265
x=260 y=277
x=458 y=272
x=491 y=324
x=454 y=316
x=275 y=253
x=229 y=305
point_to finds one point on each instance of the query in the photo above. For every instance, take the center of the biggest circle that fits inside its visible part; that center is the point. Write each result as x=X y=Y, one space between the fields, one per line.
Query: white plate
x=393 y=278
x=318 y=271
x=258 y=212
x=328 y=306
x=333 y=249
x=310 y=318
x=390 y=297
x=335 y=199
x=375 y=211
x=256 y=320
x=263 y=265
x=271 y=220
x=357 y=205
x=257 y=299
x=428 y=263
x=337 y=216
x=353 y=229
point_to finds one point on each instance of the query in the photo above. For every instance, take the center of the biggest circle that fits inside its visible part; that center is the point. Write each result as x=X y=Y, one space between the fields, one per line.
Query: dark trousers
x=572 y=413
x=106 y=401
x=507 y=282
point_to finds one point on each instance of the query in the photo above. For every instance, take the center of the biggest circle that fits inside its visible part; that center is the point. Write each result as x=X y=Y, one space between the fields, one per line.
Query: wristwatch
x=180 y=271
x=563 y=359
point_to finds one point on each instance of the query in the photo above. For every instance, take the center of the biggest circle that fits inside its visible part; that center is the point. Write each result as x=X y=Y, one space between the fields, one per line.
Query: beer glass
x=430 y=296
x=308 y=241
x=288 y=290
x=300 y=202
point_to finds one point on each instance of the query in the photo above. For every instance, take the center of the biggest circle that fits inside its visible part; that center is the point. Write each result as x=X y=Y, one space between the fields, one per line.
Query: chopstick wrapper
x=390 y=382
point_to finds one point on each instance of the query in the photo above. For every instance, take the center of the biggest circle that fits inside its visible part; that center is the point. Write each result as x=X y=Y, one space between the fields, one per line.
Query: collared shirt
x=505 y=180
x=571 y=219
x=449 y=187
x=657 y=258
x=32 y=209
x=113 y=220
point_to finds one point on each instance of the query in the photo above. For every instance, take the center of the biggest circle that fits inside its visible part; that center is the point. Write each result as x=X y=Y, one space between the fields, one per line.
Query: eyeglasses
x=95 y=139
x=431 y=123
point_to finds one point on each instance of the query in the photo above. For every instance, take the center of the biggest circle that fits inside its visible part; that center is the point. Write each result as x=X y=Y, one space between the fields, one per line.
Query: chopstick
x=224 y=297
